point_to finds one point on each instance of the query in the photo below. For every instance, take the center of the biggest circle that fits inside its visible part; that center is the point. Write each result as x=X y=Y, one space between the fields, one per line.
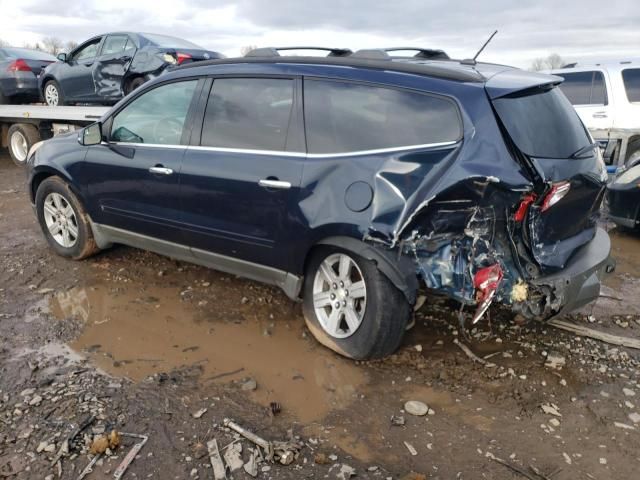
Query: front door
x=76 y=78
x=133 y=178
x=242 y=176
x=111 y=66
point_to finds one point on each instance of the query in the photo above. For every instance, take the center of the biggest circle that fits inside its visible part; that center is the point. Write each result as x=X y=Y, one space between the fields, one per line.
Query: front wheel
x=63 y=220
x=351 y=307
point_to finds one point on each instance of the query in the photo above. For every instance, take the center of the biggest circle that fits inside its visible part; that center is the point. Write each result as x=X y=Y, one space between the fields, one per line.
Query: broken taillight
x=182 y=57
x=18 y=65
x=486 y=281
x=521 y=212
x=557 y=193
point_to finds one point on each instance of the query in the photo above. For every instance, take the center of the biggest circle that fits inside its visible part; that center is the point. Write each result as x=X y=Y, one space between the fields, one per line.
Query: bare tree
x=33 y=46
x=246 y=49
x=547 y=63
x=3 y=43
x=53 y=45
x=70 y=45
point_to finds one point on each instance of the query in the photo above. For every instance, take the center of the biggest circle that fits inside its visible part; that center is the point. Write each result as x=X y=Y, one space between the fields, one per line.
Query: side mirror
x=62 y=57
x=91 y=135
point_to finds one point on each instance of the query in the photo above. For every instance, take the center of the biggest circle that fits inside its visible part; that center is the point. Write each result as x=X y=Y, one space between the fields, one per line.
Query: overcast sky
x=575 y=29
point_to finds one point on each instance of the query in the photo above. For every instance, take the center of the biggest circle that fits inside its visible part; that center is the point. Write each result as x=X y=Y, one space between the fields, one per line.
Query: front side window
x=631 y=79
x=584 y=88
x=249 y=113
x=155 y=117
x=115 y=44
x=345 y=117
x=88 y=51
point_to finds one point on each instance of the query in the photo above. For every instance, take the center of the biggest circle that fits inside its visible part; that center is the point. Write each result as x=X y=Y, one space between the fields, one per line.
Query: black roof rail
x=275 y=51
x=428 y=53
x=371 y=54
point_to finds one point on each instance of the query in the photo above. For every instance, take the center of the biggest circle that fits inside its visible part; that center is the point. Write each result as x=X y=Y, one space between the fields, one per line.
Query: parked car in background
x=345 y=180
x=623 y=195
x=19 y=71
x=107 y=67
x=607 y=97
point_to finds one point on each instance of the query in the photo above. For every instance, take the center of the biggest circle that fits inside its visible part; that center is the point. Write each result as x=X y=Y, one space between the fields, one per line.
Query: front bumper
x=624 y=204
x=579 y=282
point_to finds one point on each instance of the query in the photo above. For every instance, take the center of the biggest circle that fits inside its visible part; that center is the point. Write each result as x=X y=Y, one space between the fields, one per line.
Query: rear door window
x=342 y=117
x=542 y=123
x=584 y=88
x=115 y=44
x=631 y=78
x=248 y=113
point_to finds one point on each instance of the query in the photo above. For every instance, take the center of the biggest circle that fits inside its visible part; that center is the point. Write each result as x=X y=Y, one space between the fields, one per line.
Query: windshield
x=542 y=123
x=165 y=41
x=27 y=54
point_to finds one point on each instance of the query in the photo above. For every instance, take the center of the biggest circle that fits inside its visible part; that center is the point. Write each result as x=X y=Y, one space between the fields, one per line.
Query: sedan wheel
x=60 y=220
x=51 y=94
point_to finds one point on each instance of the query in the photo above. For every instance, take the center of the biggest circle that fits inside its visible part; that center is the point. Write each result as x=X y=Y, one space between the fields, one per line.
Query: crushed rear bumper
x=579 y=282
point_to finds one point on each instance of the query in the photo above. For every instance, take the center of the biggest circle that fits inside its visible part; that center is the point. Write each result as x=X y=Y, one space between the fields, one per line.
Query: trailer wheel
x=21 y=137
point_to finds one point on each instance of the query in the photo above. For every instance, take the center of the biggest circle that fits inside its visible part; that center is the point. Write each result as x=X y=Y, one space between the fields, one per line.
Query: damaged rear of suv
x=346 y=180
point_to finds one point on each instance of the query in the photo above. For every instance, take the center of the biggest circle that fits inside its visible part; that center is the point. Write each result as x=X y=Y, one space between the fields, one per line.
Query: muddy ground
x=145 y=344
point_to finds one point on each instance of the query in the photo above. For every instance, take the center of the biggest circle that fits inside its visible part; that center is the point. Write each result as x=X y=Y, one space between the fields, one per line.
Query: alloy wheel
x=60 y=220
x=339 y=295
x=51 y=95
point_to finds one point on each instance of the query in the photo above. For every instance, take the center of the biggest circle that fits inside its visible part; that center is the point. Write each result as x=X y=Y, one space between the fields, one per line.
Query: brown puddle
x=136 y=335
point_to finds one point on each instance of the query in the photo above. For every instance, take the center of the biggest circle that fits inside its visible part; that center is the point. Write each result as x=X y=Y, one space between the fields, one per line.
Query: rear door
x=588 y=92
x=76 y=76
x=112 y=64
x=133 y=178
x=243 y=172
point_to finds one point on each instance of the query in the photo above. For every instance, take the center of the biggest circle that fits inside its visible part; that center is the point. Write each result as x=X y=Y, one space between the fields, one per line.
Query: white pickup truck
x=21 y=126
x=607 y=97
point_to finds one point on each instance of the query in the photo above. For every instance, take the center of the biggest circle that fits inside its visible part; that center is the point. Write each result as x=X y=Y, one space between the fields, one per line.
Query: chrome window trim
x=281 y=153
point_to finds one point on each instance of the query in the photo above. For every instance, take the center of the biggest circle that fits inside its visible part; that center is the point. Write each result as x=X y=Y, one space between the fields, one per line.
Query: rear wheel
x=63 y=220
x=53 y=94
x=351 y=307
x=21 y=137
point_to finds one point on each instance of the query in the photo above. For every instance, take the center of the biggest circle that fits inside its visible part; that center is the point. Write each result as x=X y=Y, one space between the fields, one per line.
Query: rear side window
x=542 y=123
x=584 y=88
x=344 y=117
x=631 y=78
x=115 y=44
x=249 y=113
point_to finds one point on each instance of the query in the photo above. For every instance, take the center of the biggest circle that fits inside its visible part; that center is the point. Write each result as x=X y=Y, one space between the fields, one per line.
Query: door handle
x=270 y=183
x=600 y=115
x=161 y=170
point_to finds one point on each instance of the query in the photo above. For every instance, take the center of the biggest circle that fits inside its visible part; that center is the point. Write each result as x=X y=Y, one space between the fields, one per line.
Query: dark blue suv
x=347 y=180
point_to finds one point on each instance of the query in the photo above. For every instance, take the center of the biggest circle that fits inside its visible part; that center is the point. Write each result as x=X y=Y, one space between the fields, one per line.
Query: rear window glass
x=345 y=117
x=166 y=41
x=27 y=54
x=584 y=88
x=631 y=78
x=542 y=123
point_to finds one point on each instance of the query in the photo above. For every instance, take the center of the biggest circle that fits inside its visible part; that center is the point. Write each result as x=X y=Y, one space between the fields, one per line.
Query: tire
x=633 y=153
x=133 y=84
x=52 y=94
x=20 y=138
x=382 y=320
x=56 y=193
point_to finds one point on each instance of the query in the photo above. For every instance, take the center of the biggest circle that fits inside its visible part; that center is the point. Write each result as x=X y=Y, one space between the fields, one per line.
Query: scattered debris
x=89 y=468
x=233 y=456
x=275 y=408
x=595 y=334
x=554 y=361
x=273 y=451
x=131 y=455
x=467 y=351
x=249 y=385
x=346 y=472
x=511 y=466
x=411 y=448
x=416 y=408
x=634 y=417
x=397 y=420
x=64 y=446
x=628 y=392
x=550 y=409
x=219 y=470
x=199 y=413
x=624 y=426
x=251 y=467
x=101 y=443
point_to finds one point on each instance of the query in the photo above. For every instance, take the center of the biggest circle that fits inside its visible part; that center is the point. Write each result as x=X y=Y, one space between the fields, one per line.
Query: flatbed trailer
x=21 y=126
